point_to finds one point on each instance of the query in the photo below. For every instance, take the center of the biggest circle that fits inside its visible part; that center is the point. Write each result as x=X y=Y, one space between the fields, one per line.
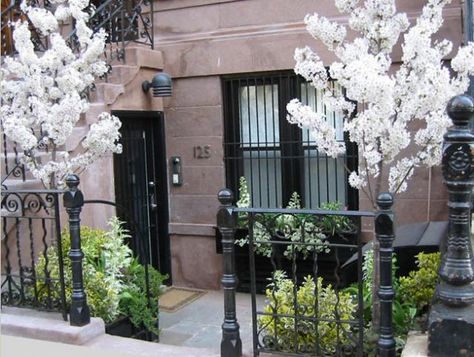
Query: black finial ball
x=461 y=109
x=225 y=196
x=385 y=200
x=72 y=181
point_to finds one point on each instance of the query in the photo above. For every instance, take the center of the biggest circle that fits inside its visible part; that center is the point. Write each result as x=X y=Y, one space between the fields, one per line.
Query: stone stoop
x=106 y=93
x=416 y=346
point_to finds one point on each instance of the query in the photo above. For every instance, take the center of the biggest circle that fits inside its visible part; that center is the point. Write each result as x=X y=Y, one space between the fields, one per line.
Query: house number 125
x=202 y=152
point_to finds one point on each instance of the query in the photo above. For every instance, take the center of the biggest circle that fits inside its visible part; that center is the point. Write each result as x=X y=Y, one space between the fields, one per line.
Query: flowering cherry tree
x=42 y=94
x=389 y=103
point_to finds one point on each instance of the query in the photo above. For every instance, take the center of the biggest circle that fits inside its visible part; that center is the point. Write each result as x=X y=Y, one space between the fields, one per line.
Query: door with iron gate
x=141 y=186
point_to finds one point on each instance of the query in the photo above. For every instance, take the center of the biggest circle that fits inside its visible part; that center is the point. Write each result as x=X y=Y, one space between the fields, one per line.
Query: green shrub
x=105 y=258
x=134 y=300
x=280 y=300
x=403 y=312
x=419 y=286
x=114 y=281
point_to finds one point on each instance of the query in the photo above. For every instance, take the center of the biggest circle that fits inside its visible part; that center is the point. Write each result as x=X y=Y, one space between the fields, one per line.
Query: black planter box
x=328 y=264
x=123 y=327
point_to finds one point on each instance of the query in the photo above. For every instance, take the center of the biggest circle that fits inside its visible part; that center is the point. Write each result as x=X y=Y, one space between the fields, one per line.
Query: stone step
x=48 y=326
x=141 y=56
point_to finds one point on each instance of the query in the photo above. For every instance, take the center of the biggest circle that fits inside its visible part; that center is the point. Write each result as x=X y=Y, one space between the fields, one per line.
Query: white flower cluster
x=322 y=132
x=330 y=33
x=391 y=104
x=309 y=66
x=42 y=95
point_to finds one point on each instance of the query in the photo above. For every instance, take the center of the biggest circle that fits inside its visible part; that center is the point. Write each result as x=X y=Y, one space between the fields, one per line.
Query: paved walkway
x=199 y=323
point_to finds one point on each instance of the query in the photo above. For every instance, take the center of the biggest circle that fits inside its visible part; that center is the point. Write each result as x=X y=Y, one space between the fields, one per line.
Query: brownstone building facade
x=221 y=54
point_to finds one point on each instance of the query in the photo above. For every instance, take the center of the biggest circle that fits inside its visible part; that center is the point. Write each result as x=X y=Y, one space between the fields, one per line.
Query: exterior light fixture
x=161 y=85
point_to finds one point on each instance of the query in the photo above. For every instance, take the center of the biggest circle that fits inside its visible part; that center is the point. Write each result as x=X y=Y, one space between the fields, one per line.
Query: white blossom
x=330 y=33
x=396 y=109
x=346 y=6
x=309 y=65
x=463 y=62
x=357 y=181
x=42 y=95
x=322 y=132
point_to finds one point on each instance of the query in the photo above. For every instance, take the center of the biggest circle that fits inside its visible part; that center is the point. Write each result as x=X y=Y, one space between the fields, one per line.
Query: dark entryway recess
x=141 y=186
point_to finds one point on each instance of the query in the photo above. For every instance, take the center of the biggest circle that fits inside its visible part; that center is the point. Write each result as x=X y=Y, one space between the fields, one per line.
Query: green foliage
x=419 y=286
x=294 y=228
x=114 y=281
x=334 y=224
x=413 y=294
x=134 y=300
x=280 y=300
x=244 y=195
x=105 y=257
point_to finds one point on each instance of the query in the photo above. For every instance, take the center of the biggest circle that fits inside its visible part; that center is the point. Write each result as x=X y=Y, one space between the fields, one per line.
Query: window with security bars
x=278 y=158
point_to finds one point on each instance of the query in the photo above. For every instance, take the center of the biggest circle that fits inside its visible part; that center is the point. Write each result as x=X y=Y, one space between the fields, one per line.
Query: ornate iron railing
x=31 y=230
x=125 y=22
x=12 y=168
x=11 y=13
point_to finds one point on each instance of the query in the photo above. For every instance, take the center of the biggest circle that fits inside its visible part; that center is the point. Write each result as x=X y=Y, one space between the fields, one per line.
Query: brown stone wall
x=194 y=118
x=204 y=39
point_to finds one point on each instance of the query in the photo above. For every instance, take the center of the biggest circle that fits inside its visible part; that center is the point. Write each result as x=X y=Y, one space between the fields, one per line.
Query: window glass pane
x=325 y=179
x=262 y=169
x=313 y=97
x=259 y=116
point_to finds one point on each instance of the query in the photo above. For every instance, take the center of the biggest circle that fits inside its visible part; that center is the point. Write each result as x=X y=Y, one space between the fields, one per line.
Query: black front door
x=141 y=186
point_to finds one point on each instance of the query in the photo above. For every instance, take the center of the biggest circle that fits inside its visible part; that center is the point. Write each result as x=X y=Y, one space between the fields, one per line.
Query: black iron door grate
x=275 y=157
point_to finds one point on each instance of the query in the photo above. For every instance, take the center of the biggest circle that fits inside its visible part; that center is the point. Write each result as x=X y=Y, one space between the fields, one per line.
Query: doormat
x=175 y=298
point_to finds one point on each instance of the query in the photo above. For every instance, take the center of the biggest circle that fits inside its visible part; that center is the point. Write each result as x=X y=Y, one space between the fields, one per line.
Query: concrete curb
x=48 y=326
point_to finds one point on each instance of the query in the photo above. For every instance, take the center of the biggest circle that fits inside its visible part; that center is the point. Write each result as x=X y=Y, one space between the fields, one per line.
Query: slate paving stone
x=198 y=324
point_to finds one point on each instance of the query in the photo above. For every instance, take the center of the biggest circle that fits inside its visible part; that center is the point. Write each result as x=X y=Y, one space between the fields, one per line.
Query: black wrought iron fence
x=314 y=297
x=30 y=229
x=43 y=268
x=307 y=309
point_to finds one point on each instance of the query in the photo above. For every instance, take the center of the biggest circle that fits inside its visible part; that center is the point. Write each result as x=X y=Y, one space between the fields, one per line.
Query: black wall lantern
x=161 y=85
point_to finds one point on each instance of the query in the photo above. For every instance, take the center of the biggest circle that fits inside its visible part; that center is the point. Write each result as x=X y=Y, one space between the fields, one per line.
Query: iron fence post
x=231 y=345
x=73 y=201
x=451 y=320
x=384 y=231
